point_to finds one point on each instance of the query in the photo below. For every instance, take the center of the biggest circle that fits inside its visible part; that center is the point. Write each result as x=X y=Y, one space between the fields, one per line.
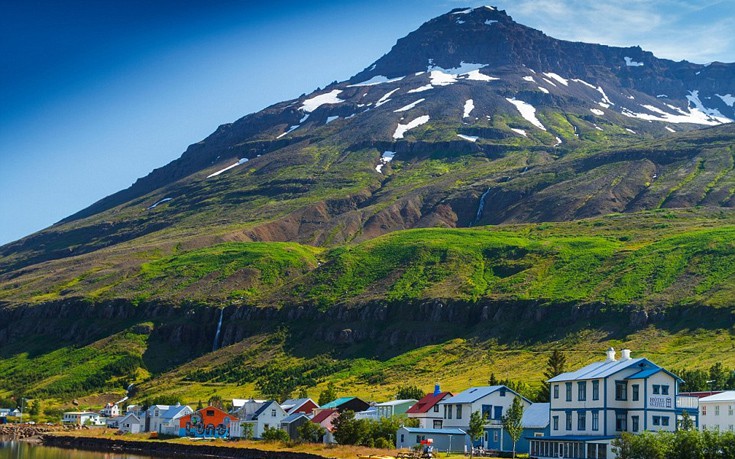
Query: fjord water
x=23 y=450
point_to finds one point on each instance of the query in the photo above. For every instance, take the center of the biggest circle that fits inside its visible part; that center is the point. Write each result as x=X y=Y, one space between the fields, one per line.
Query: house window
x=704 y=409
x=556 y=422
x=581 y=420
x=657 y=420
x=729 y=427
x=582 y=391
x=556 y=391
x=621 y=422
x=621 y=390
x=636 y=423
x=717 y=410
x=635 y=392
x=665 y=389
x=665 y=421
x=487 y=411
x=729 y=410
x=437 y=424
x=595 y=420
x=273 y=413
x=436 y=408
x=569 y=391
x=496 y=436
x=595 y=390
x=568 y=420
x=448 y=414
x=210 y=412
x=459 y=411
x=402 y=438
x=502 y=392
x=656 y=389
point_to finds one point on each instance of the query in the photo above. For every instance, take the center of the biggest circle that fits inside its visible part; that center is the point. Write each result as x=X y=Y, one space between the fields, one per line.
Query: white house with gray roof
x=589 y=407
x=717 y=412
x=491 y=401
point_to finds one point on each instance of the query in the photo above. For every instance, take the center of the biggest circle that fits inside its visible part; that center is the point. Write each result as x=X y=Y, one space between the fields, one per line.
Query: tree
x=555 y=366
x=346 y=428
x=215 y=401
x=275 y=434
x=477 y=427
x=328 y=394
x=247 y=430
x=200 y=406
x=311 y=432
x=718 y=376
x=303 y=393
x=512 y=422
x=34 y=409
x=409 y=392
x=686 y=422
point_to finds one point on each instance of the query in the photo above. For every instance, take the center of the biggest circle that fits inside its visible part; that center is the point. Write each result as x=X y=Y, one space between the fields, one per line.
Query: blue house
x=535 y=423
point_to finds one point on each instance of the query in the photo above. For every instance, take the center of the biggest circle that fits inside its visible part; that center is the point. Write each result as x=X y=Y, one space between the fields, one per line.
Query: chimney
x=437 y=390
x=625 y=354
x=610 y=355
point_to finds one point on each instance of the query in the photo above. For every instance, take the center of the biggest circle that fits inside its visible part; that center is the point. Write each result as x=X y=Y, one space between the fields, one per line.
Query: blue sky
x=97 y=93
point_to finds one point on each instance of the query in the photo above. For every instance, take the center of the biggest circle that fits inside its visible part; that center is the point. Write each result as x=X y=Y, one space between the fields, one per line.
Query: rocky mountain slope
x=609 y=173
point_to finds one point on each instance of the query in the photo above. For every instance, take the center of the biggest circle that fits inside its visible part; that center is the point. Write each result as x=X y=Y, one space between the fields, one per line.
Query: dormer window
x=273 y=413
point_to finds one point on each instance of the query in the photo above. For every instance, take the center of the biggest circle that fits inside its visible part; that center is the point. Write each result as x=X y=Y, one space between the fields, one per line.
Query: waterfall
x=480 y=208
x=219 y=327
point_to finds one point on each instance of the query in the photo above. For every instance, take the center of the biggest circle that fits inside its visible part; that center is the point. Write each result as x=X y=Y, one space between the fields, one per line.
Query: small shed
x=444 y=440
x=292 y=422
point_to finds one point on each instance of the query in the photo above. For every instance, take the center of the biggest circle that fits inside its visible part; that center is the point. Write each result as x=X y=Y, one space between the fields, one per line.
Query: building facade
x=717 y=412
x=492 y=401
x=593 y=405
x=428 y=411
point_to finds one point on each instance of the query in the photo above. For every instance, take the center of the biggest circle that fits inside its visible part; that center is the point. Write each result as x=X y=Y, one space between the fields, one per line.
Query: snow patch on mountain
x=597 y=111
x=386 y=98
x=558 y=78
x=470 y=138
x=290 y=130
x=544 y=90
x=529 y=78
x=527 y=111
x=669 y=129
x=157 y=203
x=315 y=102
x=469 y=105
x=728 y=99
x=331 y=118
x=475 y=75
x=409 y=106
x=696 y=115
x=385 y=159
x=490 y=22
x=519 y=131
x=631 y=63
x=378 y=79
x=443 y=77
x=420 y=89
x=241 y=161
x=403 y=128
x=693 y=99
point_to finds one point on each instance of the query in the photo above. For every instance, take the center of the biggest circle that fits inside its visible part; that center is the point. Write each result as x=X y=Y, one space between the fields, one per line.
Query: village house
x=427 y=409
x=347 y=403
x=299 y=405
x=111 y=410
x=370 y=414
x=81 y=418
x=394 y=407
x=292 y=422
x=445 y=440
x=491 y=401
x=535 y=423
x=589 y=407
x=209 y=422
x=169 y=419
x=154 y=417
x=325 y=418
x=716 y=412
x=268 y=416
x=130 y=423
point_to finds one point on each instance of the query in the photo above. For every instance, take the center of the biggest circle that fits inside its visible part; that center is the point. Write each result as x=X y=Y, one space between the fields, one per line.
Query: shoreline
x=167 y=449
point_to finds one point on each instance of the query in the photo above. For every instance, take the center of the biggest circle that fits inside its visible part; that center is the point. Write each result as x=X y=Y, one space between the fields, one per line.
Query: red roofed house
x=426 y=410
x=325 y=418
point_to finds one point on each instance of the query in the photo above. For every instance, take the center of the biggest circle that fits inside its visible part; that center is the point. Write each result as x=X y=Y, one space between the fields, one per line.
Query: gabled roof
x=263 y=408
x=652 y=371
x=476 y=393
x=239 y=402
x=726 y=396
x=453 y=431
x=133 y=415
x=292 y=417
x=536 y=416
x=428 y=402
x=175 y=411
x=602 y=369
x=338 y=402
x=296 y=403
x=161 y=408
x=322 y=415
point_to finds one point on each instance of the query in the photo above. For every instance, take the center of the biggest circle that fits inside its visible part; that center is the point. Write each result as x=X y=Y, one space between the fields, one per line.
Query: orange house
x=208 y=422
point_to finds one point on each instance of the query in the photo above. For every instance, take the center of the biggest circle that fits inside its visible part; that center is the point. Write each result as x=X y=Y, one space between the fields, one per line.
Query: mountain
x=606 y=174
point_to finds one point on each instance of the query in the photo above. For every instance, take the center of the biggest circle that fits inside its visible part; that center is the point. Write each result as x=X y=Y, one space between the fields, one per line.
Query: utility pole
x=22 y=400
